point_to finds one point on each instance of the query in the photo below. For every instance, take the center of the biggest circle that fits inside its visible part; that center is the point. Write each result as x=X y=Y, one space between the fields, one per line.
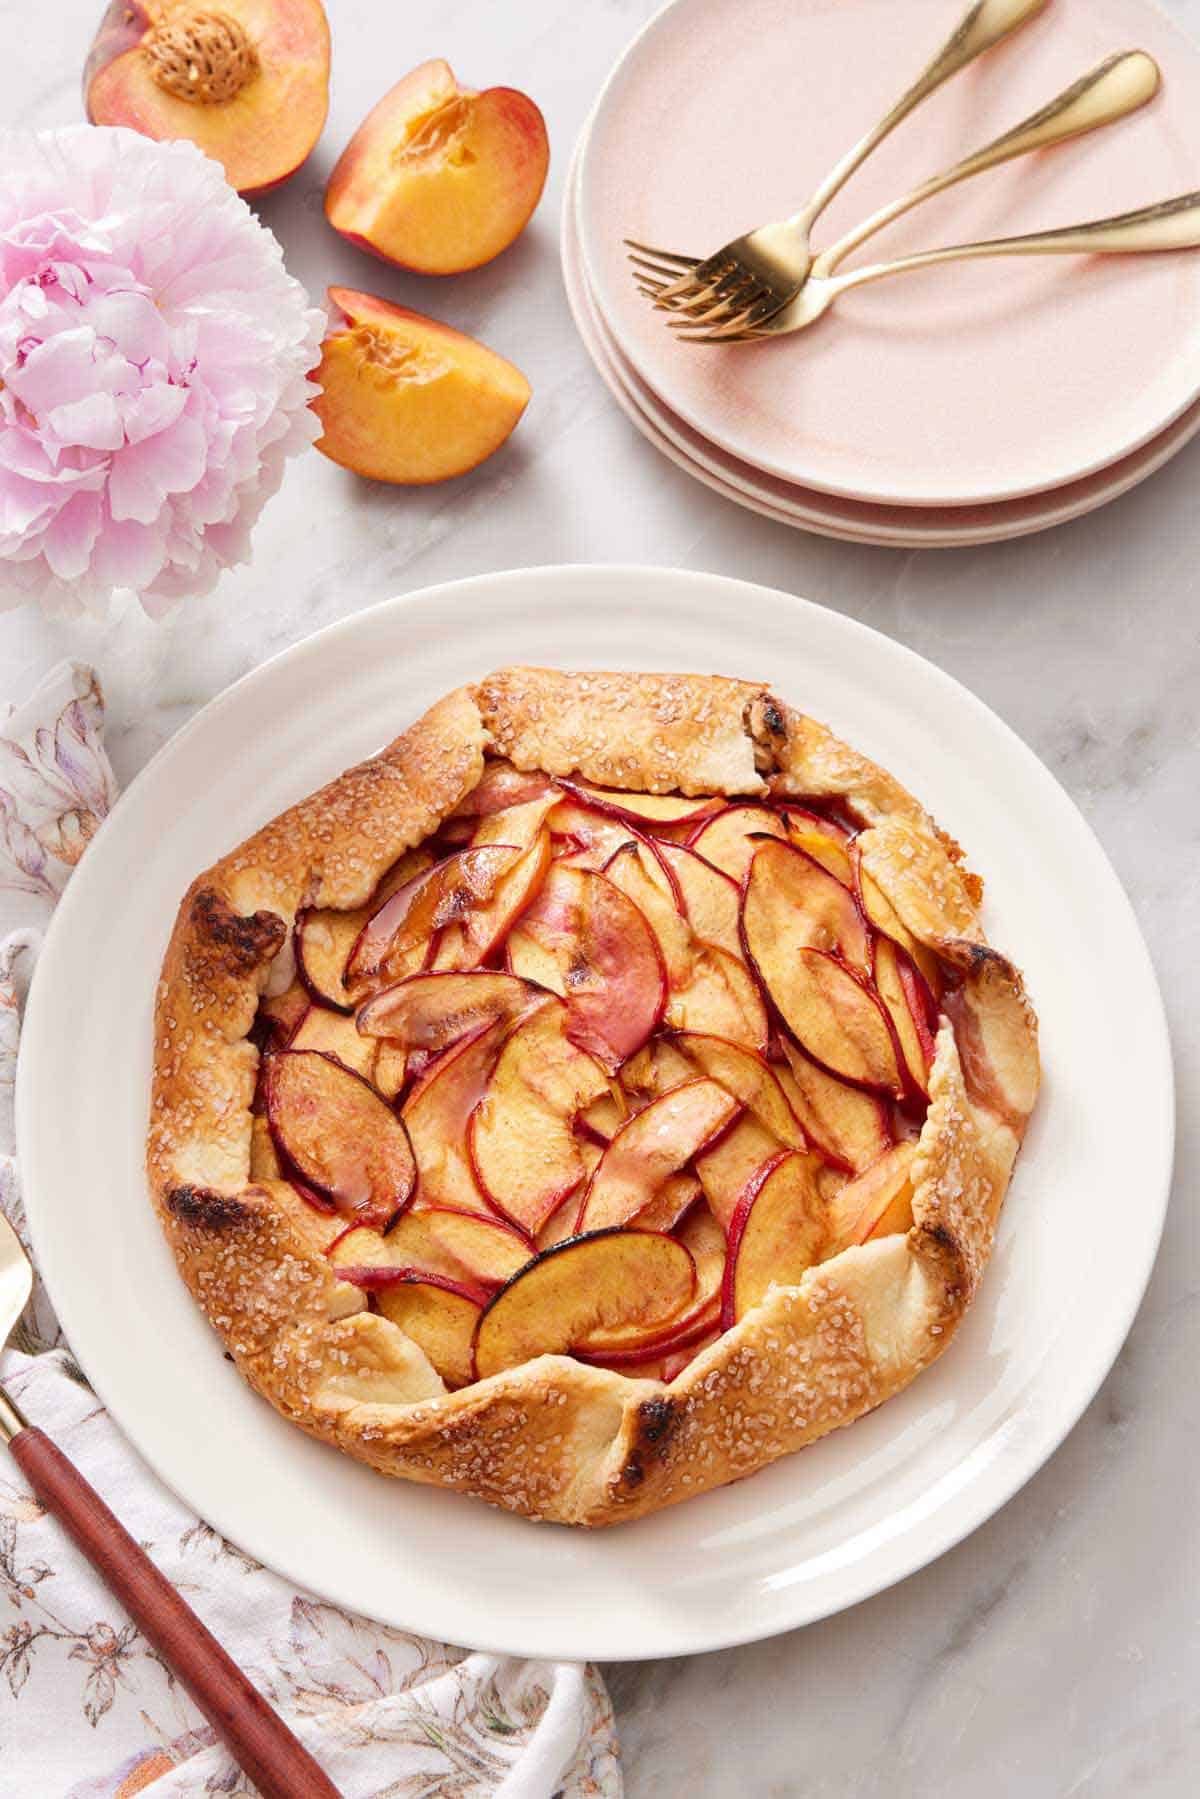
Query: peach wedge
x=247 y=81
x=408 y=400
x=440 y=178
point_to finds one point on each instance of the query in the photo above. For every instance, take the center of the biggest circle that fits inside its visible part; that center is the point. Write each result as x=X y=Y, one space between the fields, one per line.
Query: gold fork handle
x=1116 y=87
x=984 y=24
x=1171 y=225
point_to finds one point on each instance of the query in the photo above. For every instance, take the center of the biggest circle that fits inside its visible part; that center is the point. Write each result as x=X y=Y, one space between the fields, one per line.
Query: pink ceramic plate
x=830 y=515
x=955 y=387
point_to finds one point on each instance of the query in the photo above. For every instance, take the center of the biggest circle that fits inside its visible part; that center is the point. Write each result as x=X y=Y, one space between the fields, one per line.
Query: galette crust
x=555 y=1439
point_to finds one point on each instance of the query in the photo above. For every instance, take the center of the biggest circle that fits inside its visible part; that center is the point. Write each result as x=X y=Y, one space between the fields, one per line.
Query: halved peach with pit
x=440 y=178
x=247 y=81
x=406 y=399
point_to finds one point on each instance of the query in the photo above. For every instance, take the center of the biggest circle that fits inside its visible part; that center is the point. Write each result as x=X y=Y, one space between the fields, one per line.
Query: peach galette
x=605 y=1090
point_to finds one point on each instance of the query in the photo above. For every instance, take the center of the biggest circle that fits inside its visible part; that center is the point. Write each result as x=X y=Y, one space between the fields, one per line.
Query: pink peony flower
x=154 y=356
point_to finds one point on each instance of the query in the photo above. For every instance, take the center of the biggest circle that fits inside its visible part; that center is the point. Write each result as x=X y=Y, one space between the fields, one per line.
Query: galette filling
x=592 y=1071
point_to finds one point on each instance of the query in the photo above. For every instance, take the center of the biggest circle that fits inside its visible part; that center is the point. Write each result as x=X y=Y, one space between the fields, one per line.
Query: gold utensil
x=256 y=1736
x=1171 y=225
x=769 y=264
x=1116 y=87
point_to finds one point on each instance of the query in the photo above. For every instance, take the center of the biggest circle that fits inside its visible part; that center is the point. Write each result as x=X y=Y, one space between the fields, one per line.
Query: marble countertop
x=1056 y=1651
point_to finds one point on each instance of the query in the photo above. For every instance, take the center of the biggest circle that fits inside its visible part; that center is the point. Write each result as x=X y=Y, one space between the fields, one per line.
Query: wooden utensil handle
x=255 y=1735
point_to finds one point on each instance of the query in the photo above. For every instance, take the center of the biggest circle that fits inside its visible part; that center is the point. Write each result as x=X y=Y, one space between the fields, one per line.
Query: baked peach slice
x=407 y=921
x=750 y=1078
x=634 y=1282
x=340 y=1138
x=407 y=399
x=436 y=1115
x=730 y=838
x=334 y=1035
x=654 y=1145
x=431 y=1011
x=778 y=1231
x=438 y=177
x=795 y=901
x=524 y=1150
x=877 y=1204
x=735 y=1160
x=247 y=81
x=848 y=1128
x=584 y=939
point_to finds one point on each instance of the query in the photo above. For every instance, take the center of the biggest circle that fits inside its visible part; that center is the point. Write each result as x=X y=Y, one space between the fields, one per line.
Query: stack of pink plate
x=956 y=406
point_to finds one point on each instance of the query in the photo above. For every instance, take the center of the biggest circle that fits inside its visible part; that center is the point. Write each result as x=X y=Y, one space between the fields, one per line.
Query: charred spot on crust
x=249 y=941
x=772 y=717
x=200 y=1206
x=655 y=1421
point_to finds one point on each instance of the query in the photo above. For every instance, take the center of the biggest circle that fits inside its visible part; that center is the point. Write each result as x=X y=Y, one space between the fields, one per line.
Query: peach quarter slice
x=777 y=1233
x=632 y=1281
x=704 y=1241
x=651 y=1147
x=247 y=81
x=711 y=900
x=440 y=178
x=342 y=1139
x=409 y=400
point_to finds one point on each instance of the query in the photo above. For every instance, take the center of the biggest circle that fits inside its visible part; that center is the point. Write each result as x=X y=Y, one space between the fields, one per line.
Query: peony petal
x=152 y=410
x=69 y=539
x=128 y=554
x=144 y=474
x=94 y=422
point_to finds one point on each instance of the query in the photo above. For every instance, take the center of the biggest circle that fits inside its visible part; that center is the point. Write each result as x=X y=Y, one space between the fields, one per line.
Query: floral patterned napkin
x=87 y=1710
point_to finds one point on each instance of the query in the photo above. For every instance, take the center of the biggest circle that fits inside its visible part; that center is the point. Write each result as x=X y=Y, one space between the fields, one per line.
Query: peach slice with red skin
x=432 y=1011
x=793 y=903
x=645 y=810
x=704 y=1241
x=751 y=1079
x=632 y=1281
x=247 y=81
x=408 y=920
x=711 y=899
x=588 y=942
x=729 y=839
x=340 y=1138
x=437 y=1114
x=777 y=1233
x=911 y=1008
x=440 y=178
x=334 y=1034
x=652 y=1146
x=440 y=1316
x=500 y=787
x=732 y=1163
x=850 y=1129
x=877 y=1204
x=324 y=937
x=523 y=1147
x=407 y=399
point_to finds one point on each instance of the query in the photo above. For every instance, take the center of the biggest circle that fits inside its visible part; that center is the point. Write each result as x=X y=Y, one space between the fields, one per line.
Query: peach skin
x=247 y=82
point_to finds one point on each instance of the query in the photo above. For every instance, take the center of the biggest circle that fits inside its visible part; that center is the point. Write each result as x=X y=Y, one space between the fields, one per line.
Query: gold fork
x=256 y=1736
x=1116 y=87
x=1169 y=225
x=768 y=265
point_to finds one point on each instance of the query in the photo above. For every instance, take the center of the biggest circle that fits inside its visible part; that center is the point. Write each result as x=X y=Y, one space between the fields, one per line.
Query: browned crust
x=555 y=1439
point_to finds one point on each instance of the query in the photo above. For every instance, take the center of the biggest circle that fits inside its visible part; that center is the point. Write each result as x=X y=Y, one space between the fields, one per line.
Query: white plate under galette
x=815 y=1531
